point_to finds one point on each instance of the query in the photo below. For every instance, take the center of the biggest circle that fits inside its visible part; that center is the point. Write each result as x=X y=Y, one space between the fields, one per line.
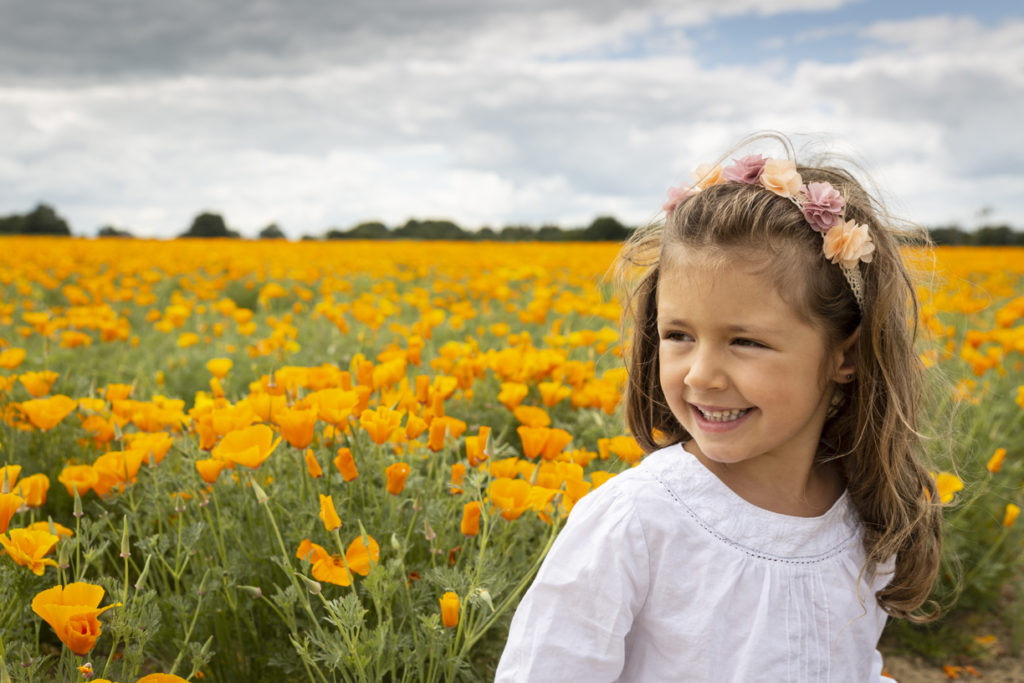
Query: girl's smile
x=747 y=377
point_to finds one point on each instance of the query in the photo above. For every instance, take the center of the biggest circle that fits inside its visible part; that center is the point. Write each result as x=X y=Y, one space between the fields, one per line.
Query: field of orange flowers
x=232 y=460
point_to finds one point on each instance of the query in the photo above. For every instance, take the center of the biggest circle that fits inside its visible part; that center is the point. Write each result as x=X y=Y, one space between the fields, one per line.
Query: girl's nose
x=705 y=372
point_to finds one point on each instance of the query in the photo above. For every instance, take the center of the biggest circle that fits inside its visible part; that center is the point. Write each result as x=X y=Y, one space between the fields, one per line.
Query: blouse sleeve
x=572 y=623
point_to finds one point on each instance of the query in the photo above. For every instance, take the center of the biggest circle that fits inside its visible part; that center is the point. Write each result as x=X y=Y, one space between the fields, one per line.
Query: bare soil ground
x=1002 y=669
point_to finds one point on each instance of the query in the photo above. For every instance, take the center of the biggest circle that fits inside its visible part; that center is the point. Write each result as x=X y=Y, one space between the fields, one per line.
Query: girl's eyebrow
x=729 y=328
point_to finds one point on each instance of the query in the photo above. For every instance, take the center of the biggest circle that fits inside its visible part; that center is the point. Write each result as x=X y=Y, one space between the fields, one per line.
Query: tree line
x=44 y=220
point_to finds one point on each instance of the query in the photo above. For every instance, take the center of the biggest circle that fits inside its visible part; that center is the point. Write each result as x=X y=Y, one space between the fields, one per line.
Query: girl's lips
x=725 y=421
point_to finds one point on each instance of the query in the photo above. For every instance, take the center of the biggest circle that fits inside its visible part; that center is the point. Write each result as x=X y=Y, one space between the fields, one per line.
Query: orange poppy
x=80 y=477
x=396 y=475
x=219 y=367
x=532 y=416
x=380 y=424
x=470 y=524
x=449 y=609
x=33 y=489
x=328 y=515
x=249 y=446
x=11 y=358
x=346 y=464
x=72 y=611
x=510 y=496
x=28 y=547
x=9 y=504
x=47 y=413
x=476 y=446
x=995 y=463
x=458 y=474
x=38 y=383
x=297 y=426
x=312 y=466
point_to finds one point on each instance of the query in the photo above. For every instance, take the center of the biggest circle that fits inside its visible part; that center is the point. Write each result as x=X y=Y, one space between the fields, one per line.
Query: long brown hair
x=875 y=433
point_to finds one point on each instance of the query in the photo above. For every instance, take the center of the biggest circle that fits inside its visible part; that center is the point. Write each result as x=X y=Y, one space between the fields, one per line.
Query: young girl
x=782 y=512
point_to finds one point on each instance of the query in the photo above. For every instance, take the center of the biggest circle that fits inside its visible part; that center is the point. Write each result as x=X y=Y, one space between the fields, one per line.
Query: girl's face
x=742 y=372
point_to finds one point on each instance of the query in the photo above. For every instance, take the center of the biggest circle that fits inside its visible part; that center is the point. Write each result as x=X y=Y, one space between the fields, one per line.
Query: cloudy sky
x=325 y=113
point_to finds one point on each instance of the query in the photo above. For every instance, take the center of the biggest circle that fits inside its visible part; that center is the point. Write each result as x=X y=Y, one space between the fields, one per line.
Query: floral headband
x=845 y=242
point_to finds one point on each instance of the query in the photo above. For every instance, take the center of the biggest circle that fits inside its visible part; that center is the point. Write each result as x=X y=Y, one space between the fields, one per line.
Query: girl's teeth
x=722 y=415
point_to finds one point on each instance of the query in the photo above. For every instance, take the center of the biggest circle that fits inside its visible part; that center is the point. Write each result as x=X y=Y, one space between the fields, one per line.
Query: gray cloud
x=487 y=113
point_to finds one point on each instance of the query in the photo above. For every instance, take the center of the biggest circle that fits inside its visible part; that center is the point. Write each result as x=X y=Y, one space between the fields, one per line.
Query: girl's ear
x=846 y=359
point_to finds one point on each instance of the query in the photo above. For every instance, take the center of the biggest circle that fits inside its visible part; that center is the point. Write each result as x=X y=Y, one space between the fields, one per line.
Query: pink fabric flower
x=848 y=243
x=780 y=176
x=822 y=205
x=676 y=196
x=746 y=170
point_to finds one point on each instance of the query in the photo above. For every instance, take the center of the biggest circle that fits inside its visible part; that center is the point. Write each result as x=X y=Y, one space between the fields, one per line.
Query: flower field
x=344 y=461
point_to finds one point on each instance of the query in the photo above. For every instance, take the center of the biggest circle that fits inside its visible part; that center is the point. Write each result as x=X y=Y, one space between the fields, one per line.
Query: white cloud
x=487 y=117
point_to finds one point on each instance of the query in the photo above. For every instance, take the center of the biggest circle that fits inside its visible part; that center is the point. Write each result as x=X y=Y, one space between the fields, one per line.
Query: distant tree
x=430 y=230
x=111 y=231
x=518 y=233
x=485 y=233
x=550 y=233
x=993 y=235
x=372 y=230
x=605 y=229
x=272 y=232
x=209 y=225
x=43 y=220
x=309 y=238
x=948 y=235
x=12 y=225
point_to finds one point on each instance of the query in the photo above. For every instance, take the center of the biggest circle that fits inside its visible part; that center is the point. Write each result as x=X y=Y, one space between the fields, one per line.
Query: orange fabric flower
x=72 y=611
x=848 y=243
x=346 y=464
x=328 y=515
x=29 y=547
x=396 y=475
x=470 y=524
x=449 y=609
x=781 y=177
x=9 y=504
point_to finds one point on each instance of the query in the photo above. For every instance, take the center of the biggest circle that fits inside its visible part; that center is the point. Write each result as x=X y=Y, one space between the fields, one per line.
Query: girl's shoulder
x=670 y=491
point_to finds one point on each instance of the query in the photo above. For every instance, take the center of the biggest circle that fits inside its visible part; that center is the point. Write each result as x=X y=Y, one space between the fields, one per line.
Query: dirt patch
x=1003 y=669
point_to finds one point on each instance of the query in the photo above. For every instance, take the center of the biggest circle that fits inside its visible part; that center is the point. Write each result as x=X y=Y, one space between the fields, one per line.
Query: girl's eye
x=748 y=342
x=675 y=336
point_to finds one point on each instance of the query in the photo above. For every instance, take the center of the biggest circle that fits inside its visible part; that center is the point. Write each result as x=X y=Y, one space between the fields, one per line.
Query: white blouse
x=665 y=574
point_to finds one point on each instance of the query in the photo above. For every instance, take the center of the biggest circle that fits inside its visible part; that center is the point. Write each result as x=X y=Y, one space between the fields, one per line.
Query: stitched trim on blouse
x=838 y=550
